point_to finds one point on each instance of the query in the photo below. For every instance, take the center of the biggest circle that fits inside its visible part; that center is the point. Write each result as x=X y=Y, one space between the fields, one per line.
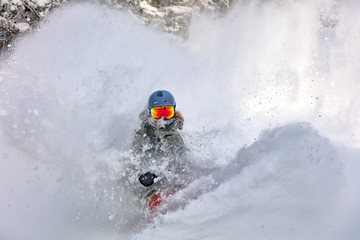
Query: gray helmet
x=161 y=98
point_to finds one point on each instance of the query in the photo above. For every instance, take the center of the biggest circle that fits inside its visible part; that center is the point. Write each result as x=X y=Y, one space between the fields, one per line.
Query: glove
x=147 y=179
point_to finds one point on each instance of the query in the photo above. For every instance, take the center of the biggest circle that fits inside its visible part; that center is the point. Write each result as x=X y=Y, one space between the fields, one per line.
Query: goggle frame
x=162 y=110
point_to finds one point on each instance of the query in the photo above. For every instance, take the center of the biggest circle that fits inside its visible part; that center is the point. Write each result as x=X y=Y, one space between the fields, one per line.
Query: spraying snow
x=269 y=96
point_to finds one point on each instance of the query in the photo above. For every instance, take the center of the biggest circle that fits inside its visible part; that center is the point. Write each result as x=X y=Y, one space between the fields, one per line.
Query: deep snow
x=71 y=92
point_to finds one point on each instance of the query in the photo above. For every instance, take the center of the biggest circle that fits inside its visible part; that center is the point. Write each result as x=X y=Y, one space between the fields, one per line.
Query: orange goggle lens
x=166 y=111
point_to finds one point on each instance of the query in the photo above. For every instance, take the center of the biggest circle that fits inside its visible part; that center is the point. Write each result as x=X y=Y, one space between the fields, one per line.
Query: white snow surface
x=270 y=100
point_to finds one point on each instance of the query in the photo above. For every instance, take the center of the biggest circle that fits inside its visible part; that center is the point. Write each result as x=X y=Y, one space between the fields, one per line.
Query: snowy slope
x=269 y=97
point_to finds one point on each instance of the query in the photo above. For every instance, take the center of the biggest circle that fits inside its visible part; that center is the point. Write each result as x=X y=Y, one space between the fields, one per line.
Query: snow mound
x=282 y=186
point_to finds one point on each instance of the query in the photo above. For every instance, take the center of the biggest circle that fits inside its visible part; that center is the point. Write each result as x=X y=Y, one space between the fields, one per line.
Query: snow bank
x=287 y=186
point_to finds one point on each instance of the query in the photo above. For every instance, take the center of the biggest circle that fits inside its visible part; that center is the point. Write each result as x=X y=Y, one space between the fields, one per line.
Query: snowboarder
x=162 y=166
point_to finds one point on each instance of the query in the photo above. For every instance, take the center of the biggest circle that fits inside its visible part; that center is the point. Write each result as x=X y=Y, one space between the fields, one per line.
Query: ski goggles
x=165 y=111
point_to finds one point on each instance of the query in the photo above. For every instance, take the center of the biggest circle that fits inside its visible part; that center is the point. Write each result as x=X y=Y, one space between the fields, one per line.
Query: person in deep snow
x=162 y=166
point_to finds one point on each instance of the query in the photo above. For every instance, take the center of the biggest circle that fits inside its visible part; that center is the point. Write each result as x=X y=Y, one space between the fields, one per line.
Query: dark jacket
x=159 y=148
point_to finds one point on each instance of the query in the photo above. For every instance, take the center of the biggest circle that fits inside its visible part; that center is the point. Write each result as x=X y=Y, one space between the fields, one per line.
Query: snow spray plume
x=71 y=92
